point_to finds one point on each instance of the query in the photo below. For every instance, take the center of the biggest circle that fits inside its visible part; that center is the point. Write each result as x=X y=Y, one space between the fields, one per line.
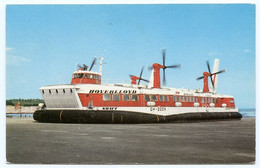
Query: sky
x=44 y=43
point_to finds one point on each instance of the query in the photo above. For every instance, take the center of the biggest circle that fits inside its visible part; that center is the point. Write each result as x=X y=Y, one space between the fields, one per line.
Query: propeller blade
x=85 y=67
x=93 y=62
x=173 y=66
x=145 y=80
x=218 y=72
x=212 y=81
x=141 y=72
x=200 y=77
x=208 y=67
x=163 y=54
x=164 y=78
x=139 y=81
x=140 y=77
x=79 y=66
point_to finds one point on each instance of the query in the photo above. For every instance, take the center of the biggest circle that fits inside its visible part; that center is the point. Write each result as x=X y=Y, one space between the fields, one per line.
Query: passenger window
x=90 y=76
x=161 y=98
x=154 y=98
x=115 y=97
x=106 y=97
x=126 y=97
x=166 y=98
x=134 y=98
x=147 y=97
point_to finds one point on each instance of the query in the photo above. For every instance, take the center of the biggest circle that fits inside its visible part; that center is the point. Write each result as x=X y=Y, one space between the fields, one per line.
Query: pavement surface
x=214 y=142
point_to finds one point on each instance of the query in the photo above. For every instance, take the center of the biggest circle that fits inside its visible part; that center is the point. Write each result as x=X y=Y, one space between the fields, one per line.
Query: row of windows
x=161 y=98
x=194 y=99
x=86 y=76
x=116 y=97
x=57 y=91
x=134 y=97
x=155 y=98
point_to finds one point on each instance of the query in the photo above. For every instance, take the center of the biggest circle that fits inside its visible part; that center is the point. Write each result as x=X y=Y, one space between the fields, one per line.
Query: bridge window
x=147 y=97
x=115 y=97
x=154 y=98
x=106 y=97
x=42 y=91
x=126 y=97
x=134 y=97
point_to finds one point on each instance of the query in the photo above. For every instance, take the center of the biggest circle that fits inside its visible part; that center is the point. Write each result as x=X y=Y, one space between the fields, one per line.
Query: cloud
x=246 y=50
x=8 y=49
x=14 y=60
x=212 y=53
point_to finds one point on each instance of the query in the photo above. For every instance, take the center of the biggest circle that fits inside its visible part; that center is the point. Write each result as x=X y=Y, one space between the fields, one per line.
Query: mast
x=100 y=65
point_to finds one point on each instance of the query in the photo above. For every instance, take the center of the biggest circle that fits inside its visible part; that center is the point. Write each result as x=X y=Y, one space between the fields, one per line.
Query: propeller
x=211 y=74
x=140 y=77
x=79 y=66
x=85 y=67
x=93 y=62
x=165 y=67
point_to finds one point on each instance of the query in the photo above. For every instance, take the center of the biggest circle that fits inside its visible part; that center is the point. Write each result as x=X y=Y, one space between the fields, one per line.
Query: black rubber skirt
x=118 y=117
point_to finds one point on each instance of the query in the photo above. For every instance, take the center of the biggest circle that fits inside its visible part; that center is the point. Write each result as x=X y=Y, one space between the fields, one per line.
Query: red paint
x=156 y=75
x=87 y=78
x=187 y=101
x=206 y=85
x=133 y=79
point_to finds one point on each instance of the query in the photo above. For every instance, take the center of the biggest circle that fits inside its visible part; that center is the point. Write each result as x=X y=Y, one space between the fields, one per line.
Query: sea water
x=23 y=115
x=247 y=112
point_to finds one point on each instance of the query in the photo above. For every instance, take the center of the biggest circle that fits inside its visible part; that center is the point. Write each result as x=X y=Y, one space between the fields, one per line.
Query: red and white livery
x=87 y=100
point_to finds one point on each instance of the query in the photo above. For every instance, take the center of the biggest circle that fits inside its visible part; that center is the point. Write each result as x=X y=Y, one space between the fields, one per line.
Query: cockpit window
x=80 y=75
x=77 y=76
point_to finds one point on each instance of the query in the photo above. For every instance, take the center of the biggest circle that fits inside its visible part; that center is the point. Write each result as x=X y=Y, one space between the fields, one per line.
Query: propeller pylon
x=209 y=74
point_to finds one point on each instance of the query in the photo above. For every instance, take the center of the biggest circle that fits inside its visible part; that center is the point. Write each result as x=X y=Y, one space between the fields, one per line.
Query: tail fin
x=150 y=85
x=215 y=77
